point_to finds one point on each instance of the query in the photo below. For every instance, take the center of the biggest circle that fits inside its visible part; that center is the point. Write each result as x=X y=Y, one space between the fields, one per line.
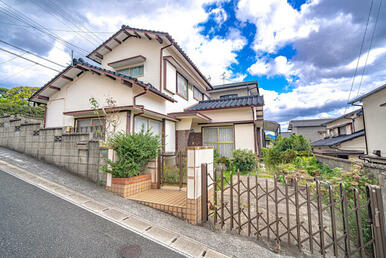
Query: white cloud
x=220 y=16
x=276 y=21
x=277 y=66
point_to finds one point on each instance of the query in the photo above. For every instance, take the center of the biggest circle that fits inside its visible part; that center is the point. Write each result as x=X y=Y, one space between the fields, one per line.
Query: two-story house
x=343 y=137
x=309 y=128
x=155 y=86
x=374 y=114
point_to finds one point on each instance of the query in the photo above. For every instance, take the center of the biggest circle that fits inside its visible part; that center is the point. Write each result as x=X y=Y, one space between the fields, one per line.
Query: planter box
x=128 y=186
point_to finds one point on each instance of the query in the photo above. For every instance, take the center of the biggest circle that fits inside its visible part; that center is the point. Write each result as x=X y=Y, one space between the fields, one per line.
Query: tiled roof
x=80 y=61
x=233 y=85
x=368 y=94
x=307 y=123
x=336 y=140
x=160 y=33
x=247 y=101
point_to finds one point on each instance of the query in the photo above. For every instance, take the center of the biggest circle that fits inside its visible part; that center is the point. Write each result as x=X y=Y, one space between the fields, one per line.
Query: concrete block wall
x=73 y=151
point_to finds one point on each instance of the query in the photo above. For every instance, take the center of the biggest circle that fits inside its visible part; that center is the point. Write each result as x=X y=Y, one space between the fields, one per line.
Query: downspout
x=160 y=65
x=142 y=107
x=257 y=147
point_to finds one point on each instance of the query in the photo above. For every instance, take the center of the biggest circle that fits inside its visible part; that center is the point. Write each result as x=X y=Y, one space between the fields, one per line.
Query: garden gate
x=172 y=168
x=333 y=221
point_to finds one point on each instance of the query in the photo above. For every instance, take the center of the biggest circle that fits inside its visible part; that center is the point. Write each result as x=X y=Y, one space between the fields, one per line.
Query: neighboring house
x=344 y=137
x=155 y=86
x=238 y=89
x=310 y=128
x=374 y=114
x=285 y=134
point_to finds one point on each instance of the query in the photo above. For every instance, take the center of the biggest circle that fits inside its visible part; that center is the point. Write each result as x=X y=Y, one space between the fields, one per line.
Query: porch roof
x=235 y=102
x=337 y=140
x=193 y=114
x=78 y=67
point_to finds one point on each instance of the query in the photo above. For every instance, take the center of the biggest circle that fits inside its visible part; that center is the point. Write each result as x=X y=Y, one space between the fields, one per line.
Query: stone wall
x=73 y=151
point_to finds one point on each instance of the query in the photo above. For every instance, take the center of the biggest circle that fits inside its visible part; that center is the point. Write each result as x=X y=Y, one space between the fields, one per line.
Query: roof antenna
x=223 y=78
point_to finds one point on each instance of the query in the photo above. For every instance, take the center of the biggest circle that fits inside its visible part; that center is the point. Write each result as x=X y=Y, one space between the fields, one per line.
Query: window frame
x=91 y=123
x=148 y=124
x=226 y=96
x=218 y=136
x=132 y=67
x=187 y=86
x=202 y=94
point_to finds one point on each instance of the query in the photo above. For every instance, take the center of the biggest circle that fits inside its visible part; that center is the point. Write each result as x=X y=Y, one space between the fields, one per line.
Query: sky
x=303 y=53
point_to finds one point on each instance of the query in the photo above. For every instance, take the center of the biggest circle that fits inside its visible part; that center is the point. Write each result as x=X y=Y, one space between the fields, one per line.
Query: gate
x=315 y=217
x=172 y=167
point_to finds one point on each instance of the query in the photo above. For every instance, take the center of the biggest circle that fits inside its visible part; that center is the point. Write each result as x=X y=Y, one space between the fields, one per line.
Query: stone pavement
x=188 y=239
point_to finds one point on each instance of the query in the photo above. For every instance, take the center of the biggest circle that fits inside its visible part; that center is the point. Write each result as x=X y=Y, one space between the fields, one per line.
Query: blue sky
x=302 y=53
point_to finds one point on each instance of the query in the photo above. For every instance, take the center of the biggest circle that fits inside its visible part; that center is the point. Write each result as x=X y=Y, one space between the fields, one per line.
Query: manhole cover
x=129 y=251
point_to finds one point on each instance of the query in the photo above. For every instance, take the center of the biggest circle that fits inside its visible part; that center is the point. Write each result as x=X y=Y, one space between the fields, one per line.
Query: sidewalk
x=182 y=234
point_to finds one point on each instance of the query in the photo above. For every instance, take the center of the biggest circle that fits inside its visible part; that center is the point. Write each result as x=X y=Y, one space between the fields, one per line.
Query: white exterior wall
x=150 y=49
x=229 y=115
x=54 y=115
x=354 y=144
x=240 y=93
x=244 y=137
x=311 y=133
x=170 y=136
x=375 y=119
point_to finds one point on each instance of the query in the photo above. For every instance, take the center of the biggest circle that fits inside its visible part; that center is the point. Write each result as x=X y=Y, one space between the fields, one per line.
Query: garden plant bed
x=126 y=187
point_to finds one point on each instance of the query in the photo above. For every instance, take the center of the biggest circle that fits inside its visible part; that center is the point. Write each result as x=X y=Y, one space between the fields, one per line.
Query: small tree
x=134 y=152
x=109 y=113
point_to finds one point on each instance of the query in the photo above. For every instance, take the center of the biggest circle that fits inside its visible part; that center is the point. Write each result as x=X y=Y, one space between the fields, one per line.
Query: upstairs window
x=182 y=86
x=147 y=124
x=197 y=95
x=228 y=96
x=135 y=71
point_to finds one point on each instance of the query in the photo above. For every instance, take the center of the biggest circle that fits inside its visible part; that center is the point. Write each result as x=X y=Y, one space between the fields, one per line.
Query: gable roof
x=246 y=101
x=79 y=66
x=235 y=85
x=359 y=111
x=337 y=140
x=126 y=32
x=307 y=123
x=368 y=94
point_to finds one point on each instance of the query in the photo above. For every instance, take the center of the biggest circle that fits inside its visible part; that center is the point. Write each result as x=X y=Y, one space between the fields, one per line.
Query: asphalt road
x=34 y=223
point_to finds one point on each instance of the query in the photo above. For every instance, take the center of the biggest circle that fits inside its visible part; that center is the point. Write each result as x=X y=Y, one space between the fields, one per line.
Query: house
x=374 y=115
x=311 y=128
x=344 y=137
x=237 y=89
x=156 y=86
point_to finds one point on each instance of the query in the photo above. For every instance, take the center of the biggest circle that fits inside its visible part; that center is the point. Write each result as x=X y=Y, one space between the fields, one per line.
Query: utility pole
x=223 y=78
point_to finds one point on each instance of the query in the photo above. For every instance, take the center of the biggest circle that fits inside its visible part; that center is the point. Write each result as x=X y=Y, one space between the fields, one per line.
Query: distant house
x=285 y=134
x=312 y=129
x=374 y=114
x=344 y=137
x=155 y=86
x=238 y=89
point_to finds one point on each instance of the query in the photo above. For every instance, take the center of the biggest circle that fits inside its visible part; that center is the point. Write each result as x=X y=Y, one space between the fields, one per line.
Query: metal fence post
x=377 y=220
x=204 y=192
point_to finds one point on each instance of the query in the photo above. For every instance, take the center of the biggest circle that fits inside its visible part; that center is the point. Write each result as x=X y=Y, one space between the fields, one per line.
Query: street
x=35 y=223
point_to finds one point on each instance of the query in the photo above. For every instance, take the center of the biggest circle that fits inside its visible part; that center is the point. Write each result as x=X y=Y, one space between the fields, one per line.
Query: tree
x=18 y=95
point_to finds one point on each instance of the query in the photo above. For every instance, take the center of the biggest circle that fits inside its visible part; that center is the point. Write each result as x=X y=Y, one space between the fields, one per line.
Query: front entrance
x=172 y=169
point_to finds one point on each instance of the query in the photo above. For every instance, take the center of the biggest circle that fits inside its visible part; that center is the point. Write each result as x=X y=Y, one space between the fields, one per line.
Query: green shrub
x=134 y=152
x=287 y=156
x=245 y=160
x=16 y=109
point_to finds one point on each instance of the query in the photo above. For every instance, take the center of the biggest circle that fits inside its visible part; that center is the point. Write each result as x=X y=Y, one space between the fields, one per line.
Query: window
x=147 y=124
x=182 y=86
x=197 y=94
x=135 y=71
x=342 y=130
x=96 y=126
x=228 y=96
x=221 y=138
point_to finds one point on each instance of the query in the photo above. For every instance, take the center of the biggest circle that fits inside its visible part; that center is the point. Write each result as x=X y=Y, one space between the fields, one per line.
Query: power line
x=25 y=19
x=9 y=60
x=360 y=52
x=62 y=30
x=371 y=43
x=28 y=52
x=29 y=60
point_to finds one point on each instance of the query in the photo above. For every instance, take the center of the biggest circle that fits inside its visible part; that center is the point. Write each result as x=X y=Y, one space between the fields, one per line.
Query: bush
x=134 y=152
x=245 y=160
x=16 y=109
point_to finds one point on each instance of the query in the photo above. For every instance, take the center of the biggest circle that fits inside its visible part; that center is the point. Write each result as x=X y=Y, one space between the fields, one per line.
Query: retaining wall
x=73 y=151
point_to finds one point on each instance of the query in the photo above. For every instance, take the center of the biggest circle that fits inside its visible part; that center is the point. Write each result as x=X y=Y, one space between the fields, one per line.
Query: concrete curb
x=176 y=242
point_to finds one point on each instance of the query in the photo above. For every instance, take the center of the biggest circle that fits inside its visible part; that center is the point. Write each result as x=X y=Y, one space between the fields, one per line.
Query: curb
x=176 y=242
